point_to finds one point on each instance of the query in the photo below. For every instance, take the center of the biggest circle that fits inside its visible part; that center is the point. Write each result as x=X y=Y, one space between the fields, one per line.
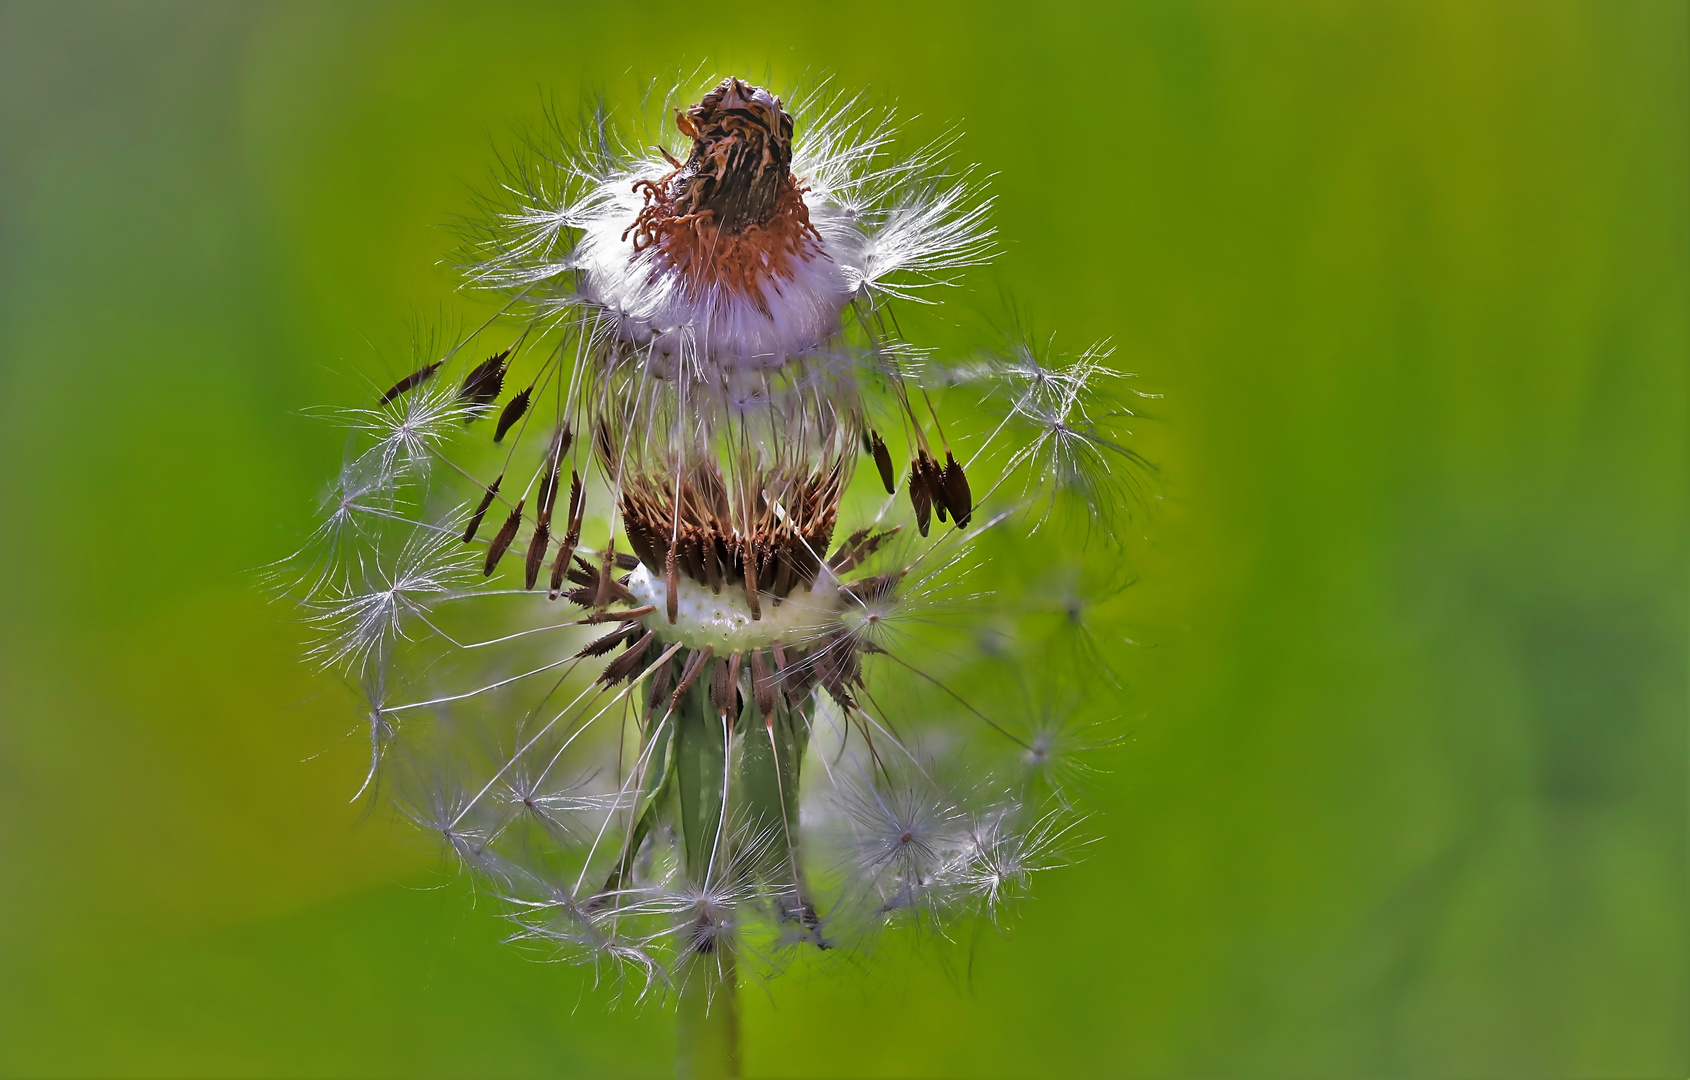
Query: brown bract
x=731 y=216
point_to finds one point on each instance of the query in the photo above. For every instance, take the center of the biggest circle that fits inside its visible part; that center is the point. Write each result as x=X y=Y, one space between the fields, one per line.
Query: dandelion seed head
x=641 y=657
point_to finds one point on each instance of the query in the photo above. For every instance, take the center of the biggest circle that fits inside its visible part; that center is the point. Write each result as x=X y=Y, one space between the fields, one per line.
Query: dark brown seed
x=689 y=674
x=838 y=560
x=870 y=589
x=410 y=382
x=660 y=681
x=619 y=591
x=624 y=561
x=512 y=412
x=577 y=507
x=598 y=587
x=919 y=497
x=957 y=493
x=721 y=687
x=549 y=485
x=618 y=616
x=570 y=538
x=778 y=675
x=483 y=383
x=782 y=583
x=604 y=583
x=584 y=574
x=838 y=669
x=857 y=548
x=712 y=564
x=639 y=538
x=481 y=509
x=501 y=542
x=797 y=676
x=691 y=554
x=559 y=566
x=762 y=687
x=935 y=478
x=672 y=578
x=883 y=462
x=536 y=554
x=751 y=574
x=609 y=641
x=733 y=703
x=625 y=665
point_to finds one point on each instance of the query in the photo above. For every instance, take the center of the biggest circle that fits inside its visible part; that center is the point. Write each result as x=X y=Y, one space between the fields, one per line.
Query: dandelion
x=659 y=658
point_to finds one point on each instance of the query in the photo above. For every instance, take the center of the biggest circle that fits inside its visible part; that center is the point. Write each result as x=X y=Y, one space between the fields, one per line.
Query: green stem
x=707 y=1043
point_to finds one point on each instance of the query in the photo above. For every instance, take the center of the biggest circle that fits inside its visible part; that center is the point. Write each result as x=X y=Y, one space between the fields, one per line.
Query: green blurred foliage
x=1405 y=793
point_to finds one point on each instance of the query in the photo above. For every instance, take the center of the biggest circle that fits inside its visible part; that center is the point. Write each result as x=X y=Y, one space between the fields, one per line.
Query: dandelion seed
x=414 y=379
x=512 y=412
x=998 y=858
x=481 y=508
x=484 y=381
x=366 y=619
x=502 y=540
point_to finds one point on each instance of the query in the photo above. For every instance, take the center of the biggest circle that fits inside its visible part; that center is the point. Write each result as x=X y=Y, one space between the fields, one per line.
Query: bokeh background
x=1406 y=788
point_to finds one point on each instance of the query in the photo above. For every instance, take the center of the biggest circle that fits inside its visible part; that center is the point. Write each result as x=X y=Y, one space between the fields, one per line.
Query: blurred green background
x=1407 y=789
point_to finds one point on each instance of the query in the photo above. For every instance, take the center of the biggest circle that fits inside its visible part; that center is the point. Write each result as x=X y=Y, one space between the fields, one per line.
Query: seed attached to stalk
x=481 y=508
x=502 y=540
x=511 y=413
x=482 y=385
x=410 y=382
